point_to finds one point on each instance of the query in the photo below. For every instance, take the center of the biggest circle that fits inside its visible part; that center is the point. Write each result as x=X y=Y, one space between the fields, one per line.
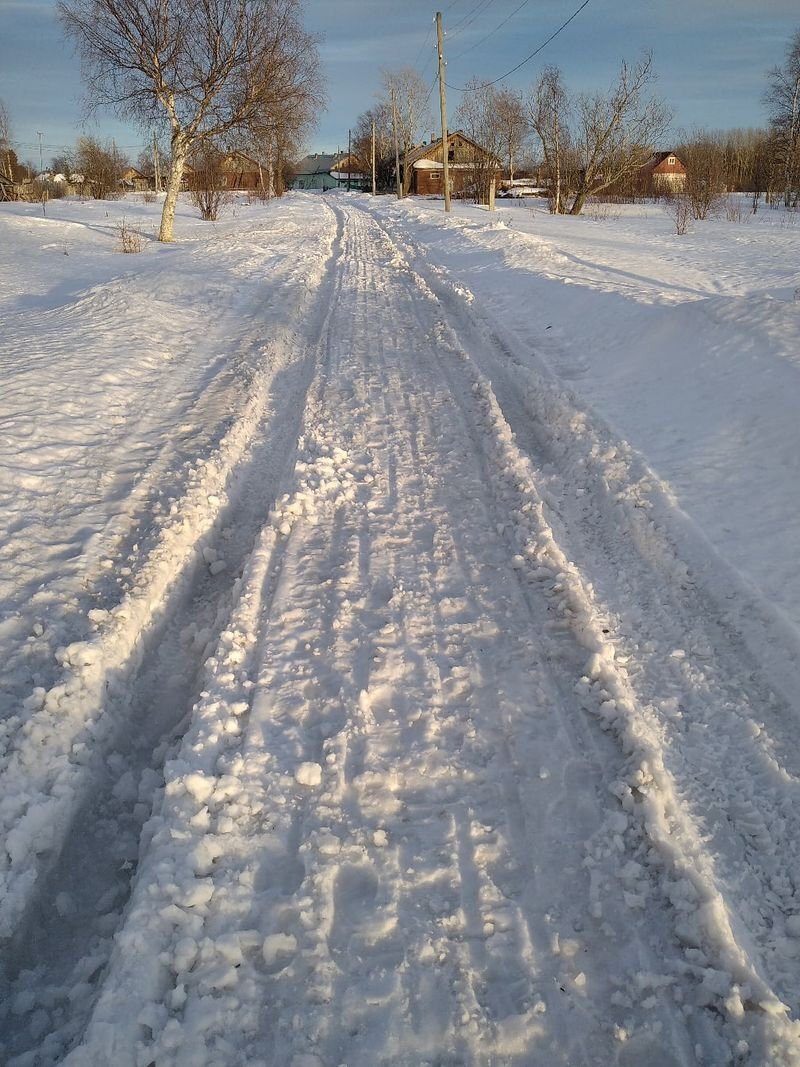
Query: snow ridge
x=59 y=732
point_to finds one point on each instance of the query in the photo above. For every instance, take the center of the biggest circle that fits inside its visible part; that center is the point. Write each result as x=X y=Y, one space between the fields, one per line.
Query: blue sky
x=711 y=57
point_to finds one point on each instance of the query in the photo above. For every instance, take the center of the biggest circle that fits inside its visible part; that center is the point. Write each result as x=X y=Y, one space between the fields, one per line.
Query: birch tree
x=478 y=116
x=783 y=101
x=512 y=124
x=615 y=132
x=549 y=113
x=8 y=157
x=210 y=69
x=381 y=116
x=411 y=96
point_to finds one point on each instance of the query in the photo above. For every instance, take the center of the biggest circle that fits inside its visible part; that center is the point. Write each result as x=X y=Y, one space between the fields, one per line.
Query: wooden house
x=132 y=180
x=349 y=174
x=663 y=171
x=241 y=171
x=469 y=166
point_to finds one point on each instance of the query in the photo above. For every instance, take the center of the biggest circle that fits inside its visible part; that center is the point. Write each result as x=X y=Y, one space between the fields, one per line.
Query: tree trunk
x=578 y=202
x=180 y=153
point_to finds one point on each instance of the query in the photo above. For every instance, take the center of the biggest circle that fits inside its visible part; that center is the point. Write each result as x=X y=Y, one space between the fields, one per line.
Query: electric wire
x=491 y=33
x=527 y=59
x=468 y=19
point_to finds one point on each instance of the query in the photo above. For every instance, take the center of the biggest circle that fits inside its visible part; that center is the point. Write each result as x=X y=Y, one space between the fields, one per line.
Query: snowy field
x=400 y=628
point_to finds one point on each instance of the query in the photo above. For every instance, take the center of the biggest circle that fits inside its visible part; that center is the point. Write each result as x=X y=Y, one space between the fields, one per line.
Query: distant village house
x=663 y=172
x=469 y=165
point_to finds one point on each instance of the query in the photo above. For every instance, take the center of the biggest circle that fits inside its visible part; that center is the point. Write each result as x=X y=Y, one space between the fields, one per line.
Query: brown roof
x=422 y=150
x=658 y=158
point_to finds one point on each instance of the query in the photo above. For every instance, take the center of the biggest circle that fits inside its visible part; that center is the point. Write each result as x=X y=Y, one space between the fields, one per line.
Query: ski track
x=451 y=791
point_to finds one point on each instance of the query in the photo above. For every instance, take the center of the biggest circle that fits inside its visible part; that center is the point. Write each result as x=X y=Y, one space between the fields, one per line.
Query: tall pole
x=156 y=165
x=396 y=148
x=349 y=155
x=41 y=164
x=443 y=109
x=374 y=187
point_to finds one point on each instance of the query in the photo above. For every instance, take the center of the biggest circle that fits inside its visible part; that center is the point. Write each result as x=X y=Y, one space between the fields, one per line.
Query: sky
x=711 y=58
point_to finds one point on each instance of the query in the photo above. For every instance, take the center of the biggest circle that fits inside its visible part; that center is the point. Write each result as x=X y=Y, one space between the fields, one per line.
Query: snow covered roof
x=317 y=163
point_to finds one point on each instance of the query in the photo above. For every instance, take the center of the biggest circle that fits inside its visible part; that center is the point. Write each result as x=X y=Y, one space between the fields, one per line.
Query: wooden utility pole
x=374 y=185
x=156 y=165
x=349 y=154
x=396 y=148
x=443 y=109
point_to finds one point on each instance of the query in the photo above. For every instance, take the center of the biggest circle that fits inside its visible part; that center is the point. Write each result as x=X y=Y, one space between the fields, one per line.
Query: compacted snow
x=400 y=636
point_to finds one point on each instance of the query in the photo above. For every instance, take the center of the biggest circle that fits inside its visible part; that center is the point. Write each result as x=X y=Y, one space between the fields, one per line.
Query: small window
x=435 y=175
x=451 y=155
x=671 y=161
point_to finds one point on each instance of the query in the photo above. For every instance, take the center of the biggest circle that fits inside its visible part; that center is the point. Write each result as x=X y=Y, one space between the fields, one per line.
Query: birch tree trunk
x=180 y=153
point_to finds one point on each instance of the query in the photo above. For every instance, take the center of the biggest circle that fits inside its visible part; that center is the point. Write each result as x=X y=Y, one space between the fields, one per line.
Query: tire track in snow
x=340 y=869
x=64 y=906
x=709 y=840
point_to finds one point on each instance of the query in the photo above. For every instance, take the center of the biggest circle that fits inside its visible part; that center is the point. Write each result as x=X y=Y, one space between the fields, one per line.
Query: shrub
x=129 y=240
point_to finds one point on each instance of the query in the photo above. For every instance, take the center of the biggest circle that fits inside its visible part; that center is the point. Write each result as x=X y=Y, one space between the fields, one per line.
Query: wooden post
x=396 y=149
x=156 y=166
x=349 y=154
x=492 y=186
x=443 y=110
x=374 y=185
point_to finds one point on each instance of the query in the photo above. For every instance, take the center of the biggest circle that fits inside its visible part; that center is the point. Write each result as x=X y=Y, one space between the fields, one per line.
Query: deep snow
x=401 y=641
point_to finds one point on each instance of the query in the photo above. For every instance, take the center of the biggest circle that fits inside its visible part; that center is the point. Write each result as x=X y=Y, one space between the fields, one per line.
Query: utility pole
x=374 y=187
x=41 y=164
x=349 y=154
x=156 y=165
x=443 y=109
x=396 y=148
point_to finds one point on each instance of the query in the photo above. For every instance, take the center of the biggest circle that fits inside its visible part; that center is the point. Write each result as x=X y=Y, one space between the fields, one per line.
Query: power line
x=469 y=18
x=428 y=37
x=491 y=33
x=527 y=59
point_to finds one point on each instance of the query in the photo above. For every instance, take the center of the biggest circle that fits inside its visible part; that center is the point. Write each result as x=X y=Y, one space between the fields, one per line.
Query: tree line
x=245 y=74
x=586 y=144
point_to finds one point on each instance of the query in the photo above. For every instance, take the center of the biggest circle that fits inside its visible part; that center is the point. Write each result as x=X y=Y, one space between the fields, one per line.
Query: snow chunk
x=309 y=774
x=198 y=786
x=278 y=948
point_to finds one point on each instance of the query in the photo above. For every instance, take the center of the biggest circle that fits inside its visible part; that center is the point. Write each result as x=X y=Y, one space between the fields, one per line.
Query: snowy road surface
x=411 y=736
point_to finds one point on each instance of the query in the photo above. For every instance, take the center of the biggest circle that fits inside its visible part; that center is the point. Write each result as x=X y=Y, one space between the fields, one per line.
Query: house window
x=451 y=155
x=435 y=175
x=671 y=161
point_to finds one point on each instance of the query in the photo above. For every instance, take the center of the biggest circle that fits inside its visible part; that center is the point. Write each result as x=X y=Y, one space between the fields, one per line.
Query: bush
x=129 y=240
x=680 y=209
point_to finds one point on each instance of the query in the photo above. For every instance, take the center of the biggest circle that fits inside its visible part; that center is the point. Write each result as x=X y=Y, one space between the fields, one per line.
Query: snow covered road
x=413 y=739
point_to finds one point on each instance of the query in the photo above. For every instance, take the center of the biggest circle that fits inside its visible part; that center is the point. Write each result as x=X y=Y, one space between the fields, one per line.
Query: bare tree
x=495 y=119
x=512 y=123
x=550 y=114
x=101 y=166
x=210 y=68
x=209 y=182
x=615 y=131
x=477 y=116
x=704 y=158
x=381 y=116
x=411 y=96
x=62 y=164
x=5 y=142
x=783 y=100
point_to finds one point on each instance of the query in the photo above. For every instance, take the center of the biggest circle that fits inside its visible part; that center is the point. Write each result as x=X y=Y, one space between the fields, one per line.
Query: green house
x=314 y=172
